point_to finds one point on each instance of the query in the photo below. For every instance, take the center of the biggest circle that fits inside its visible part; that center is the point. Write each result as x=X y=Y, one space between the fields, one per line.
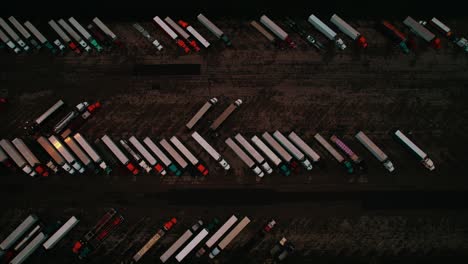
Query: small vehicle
x=269 y=226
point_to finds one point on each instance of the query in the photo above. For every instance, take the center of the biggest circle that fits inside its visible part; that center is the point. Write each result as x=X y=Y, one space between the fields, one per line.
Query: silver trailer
x=91 y=152
x=329 y=148
x=181 y=161
x=60 y=233
x=59 y=31
x=26 y=152
x=229 y=110
x=375 y=150
x=302 y=145
x=262 y=31
x=85 y=33
x=273 y=27
x=254 y=153
x=55 y=155
x=8 y=42
x=165 y=27
x=292 y=149
x=244 y=157
x=277 y=147
x=214 y=29
x=39 y=36
x=221 y=231
x=419 y=29
x=143 y=151
x=184 y=150
x=16 y=157
x=104 y=28
x=180 y=241
x=74 y=35
x=203 y=110
x=24 y=32
x=49 y=112
x=29 y=249
x=26 y=238
x=13 y=34
x=425 y=160
x=177 y=28
x=229 y=237
x=135 y=156
x=85 y=159
x=266 y=150
x=116 y=150
x=19 y=231
x=192 y=244
x=160 y=155
x=66 y=154
x=327 y=31
x=213 y=153
x=195 y=33
x=348 y=30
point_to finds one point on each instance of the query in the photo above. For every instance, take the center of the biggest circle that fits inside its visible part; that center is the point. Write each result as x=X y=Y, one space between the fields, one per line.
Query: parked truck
x=459 y=41
x=143 y=151
x=213 y=153
x=160 y=155
x=264 y=32
x=29 y=248
x=66 y=154
x=375 y=150
x=65 y=121
x=229 y=110
x=13 y=35
x=349 y=30
x=60 y=233
x=244 y=157
x=355 y=158
x=216 y=236
x=9 y=43
x=298 y=155
x=254 y=153
x=201 y=112
x=396 y=35
x=196 y=240
x=82 y=156
x=180 y=241
x=119 y=154
x=422 y=32
x=85 y=34
x=172 y=34
x=229 y=237
x=174 y=154
x=92 y=153
x=182 y=33
x=24 y=32
x=74 y=35
x=214 y=29
x=306 y=36
x=184 y=150
x=64 y=37
x=16 y=157
x=194 y=33
x=30 y=157
x=147 y=35
x=284 y=169
x=45 y=144
x=424 y=158
x=53 y=109
x=43 y=40
x=279 y=32
x=18 y=233
x=347 y=165
x=327 y=31
x=302 y=145
x=287 y=158
x=153 y=240
x=135 y=156
x=108 y=32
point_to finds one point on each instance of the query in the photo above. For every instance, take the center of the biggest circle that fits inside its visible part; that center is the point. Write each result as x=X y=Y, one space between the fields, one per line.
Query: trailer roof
x=419 y=29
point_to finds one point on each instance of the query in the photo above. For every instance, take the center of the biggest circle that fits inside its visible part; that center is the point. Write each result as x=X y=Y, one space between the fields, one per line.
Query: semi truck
x=74 y=35
x=213 y=153
x=13 y=35
x=143 y=151
x=302 y=145
x=160 y=155
x=287 y=158
x=64 y=37
x=172 y=34
x=43 y=40
x=30 y=157
x=147 y=35
x=85 y=34
x=263 y=31
x=396 y=35
x=180 y=241
x=306 y=36
x=201 y=112
x=244 y=157
x=284 y=169
x=459 y=41
x=196 y=240
x=340 y=144
x=29 y=248
x=229 y=237
x=174 y=154
x=424 y=158
x=92 y=153
x=254 y=153
x=65 y=121
x=108 y=32
x=184 y=150
x=375 y=150
x=19 y=231
x=135 y=156
x=298 y=155
x=45 y=144
x=347 y=165
x=66 y=154
x=159 y=234
x=42 y=118
x=16 y=157
x=327 y=31
x=422 y=32
x=194 y=33
x=24 y=32
x=217 y=235
x=214 y=29
x=19 y=246
x=9 y=43
x=229 y=110
x=105 y=152
x=279 y=32
x=82 y=156
x=60 y=233
x=182 y=33
x=119 y=154
x=349 y=30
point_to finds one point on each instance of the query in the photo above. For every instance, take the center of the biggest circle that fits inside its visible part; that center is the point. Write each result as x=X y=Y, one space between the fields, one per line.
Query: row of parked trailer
x=201 y=239
x=25 y=37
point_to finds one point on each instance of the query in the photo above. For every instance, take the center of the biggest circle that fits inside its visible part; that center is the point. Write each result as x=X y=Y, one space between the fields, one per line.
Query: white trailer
x=419 y=29
x=60 y=233
x=279 y=32
x=84 y=158
x=229 y=110
x=244 y=157
x=327 y=31
x=194 y=33
x=213 y=153
x=459 y=41
x=229 y=237
x=184 y=150
x=277 y=147
x=266 y=150
x=254 y=153
x=64 y=37
x=104 y=28
x=375 y=150
x=143 y=151
x=203 y=110
x=8 y=42
x=181 y=161
x=347 y=164
x=182 y=33
x=40 y=37
x=214 y=29
x=19 y=231
x=192 y=244
x=74 y=35
x=49 y=112
x=85 y=33
x=92 y=153
x=16 y=157
x=425 y=160
x=349 y=30
x=160 y=155
x=13 y=35
x=221 y=231
x=29 y=156
x=292 y=149
x=135 y=156
x=55 y=155
x=66 y=153
x=26 y=238
x=302 y=145
x=165 y=27
x=180 y=241
x=29 y=249
x=24 y=32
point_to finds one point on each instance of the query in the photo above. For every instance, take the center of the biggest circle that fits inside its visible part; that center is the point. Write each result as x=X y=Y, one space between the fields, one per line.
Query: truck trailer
x=153 y=240
x=64 y=37
x=85 y=34
x=19 y=231
x=184 y=150
x=30 y=157
x=194 y=33
x=217 y=235
x=60 y=233
x=302 y=145
x=279 y=32
x=375 y=150
x=182 y=33
x=108 y=32
x=229 y=110
x=349 y=30
x=298 y=155
x=171 y=34
x=82 y=156
x=340 y=144
x=174 y=154
x=424 y=158
x=284 y=169
x=160 y=155
x=135 y=156
x=29 y=248
x=201 y=112
x=347 y=165
x=16 y=157
x=45 y=144
x=229 y=237
x=13 y=35
x=196 y=240
x=180 y=241
x=74 y=35
x=396 y=35
x=147 y=35
x=119 y=154
x=24 y=32
x=422 y=32
x=9 y=43
x=254 y=153
x=92 y=153
x=244 y=157
x=213 y=153
x=459 y=41
x=287 y=158
x=327 y=31
x=143 y=151
x=53 y=109
x=214 y=29
x=263 y=31
x=66 y=154
x=43 y=40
